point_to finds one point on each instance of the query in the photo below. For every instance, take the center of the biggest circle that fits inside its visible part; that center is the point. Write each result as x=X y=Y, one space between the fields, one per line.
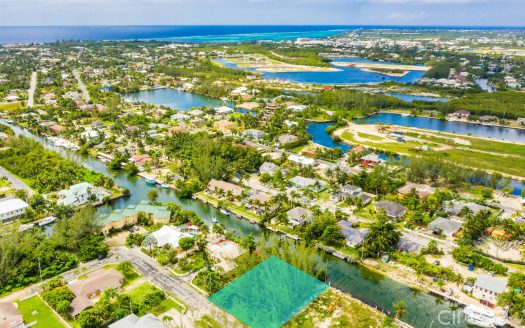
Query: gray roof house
x=352 y=235
x=411 y=243
x=455 y=207
x=446 y=226
x=299 y=215
x=269 y=167
x=487 y=288
x=353 y=192
x=392 y=209
x=132 y=321
x=302 y=182
x=253 y=134
x=286 y=139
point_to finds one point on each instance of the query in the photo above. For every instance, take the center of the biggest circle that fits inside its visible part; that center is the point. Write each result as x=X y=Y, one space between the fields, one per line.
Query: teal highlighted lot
x=269 y=295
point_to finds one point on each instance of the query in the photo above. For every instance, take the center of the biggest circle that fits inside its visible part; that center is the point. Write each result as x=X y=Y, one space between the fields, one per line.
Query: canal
x=369 y=286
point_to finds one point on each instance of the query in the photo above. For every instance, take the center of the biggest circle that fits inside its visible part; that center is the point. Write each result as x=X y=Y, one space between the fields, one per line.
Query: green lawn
x=138 y=294
x=43 y=315
x=369 y=136
x=230 y=206
x=128 y=278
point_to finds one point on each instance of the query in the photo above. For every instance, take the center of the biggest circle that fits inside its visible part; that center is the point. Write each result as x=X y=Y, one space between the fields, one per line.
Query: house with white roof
x=132 y=321
x=314 y=184
x=11 y=209
x=487 y=288
x=223 y=110
x=81 y=193
x=170 y=235
x=299 y=215
x=301 y=160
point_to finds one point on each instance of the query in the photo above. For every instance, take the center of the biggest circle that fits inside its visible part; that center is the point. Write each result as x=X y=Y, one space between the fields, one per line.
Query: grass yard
x=128 y=278
x=230 y=206
x=369 y=136
x=43 y=315
x=138 y=294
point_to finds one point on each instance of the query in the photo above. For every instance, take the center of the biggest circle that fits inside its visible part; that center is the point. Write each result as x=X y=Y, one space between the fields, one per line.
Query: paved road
x=31 y=92
x=197 y=304
x=16 y=182
x=81 y=86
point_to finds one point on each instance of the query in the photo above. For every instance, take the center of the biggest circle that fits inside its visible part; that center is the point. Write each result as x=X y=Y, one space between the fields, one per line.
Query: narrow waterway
x=428 y=123
x=371 y=287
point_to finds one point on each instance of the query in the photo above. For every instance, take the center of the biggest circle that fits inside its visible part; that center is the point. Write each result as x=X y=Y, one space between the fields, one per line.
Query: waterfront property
x=269 y=295
x=81 y=193
x=11 y=209
x=298 y=215
x=487 y=288
x=123 y=217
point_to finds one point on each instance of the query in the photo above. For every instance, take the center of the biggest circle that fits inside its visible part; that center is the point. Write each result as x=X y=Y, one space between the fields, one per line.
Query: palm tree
x=401 y=309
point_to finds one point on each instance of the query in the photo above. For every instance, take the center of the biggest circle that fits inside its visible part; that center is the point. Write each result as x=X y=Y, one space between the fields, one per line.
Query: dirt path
x=31 y=91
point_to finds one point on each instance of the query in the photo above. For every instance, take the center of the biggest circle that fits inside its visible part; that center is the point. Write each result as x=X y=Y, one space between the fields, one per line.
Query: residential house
x=298 y=215
x=422 y=190
x=250 y=106
x=445 y=226
x=222 y=110
x=196 y=112
x=372 y=159
x=253 y=134
x=132 y=321
x=11 y=209
x=301 y=160
x=10 y=317
x=225 y=252
x=353 y=236
x=180 y=117
x=120 y=218
x=88 y=289
x=461 y=114
x=287 y=139
x=215 y=185
x=411 y=243
x=269 y=167
x=313 y=184
x=454 y=207
x=224 y=126
x=81 y=193
x=57 y=128
x=170 y=235
x=140 y=160
x=392 y=209
x=353 y=192
x=487 y=288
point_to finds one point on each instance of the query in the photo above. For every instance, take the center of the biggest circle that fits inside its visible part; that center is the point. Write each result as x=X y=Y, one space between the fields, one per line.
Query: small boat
x=47 y=221
x=214 y=220
x=151 y=181
x=165 y=185
x=225 y=212
x=405 y=114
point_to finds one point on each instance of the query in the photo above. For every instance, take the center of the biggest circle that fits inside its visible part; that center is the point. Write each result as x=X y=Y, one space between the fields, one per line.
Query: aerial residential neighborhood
x=263 y=176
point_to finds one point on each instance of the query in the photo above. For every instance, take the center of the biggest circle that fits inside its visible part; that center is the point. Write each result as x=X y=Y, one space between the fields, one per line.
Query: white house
x=169 y=235
x=301 y=160
x=132 y=321
x=223 y=110
x=12 y=208
x=80 y=194
x=487 y=288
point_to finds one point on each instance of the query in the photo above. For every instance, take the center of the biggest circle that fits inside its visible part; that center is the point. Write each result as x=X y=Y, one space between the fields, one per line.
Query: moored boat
x=481 y=317
x=151 y=181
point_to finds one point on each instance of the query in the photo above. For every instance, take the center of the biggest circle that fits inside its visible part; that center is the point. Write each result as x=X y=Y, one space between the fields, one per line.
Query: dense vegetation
x=26 y=258
x=508 y=104
x=468 y=256
x=44 y=170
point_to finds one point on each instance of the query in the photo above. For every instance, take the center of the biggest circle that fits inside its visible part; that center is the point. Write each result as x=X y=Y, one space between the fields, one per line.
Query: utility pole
x=39 y=268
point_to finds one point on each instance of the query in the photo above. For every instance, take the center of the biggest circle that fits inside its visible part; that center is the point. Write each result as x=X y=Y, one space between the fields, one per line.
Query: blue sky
x=263 y=12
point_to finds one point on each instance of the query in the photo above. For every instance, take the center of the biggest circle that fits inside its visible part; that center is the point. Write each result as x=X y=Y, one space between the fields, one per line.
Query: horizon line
x=240 y=25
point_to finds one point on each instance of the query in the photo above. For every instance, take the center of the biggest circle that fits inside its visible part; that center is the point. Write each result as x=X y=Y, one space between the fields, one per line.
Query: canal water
x=371 y=287
x=175 y=99
x=485 y=131
x=345 y=75
x=319 y=136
